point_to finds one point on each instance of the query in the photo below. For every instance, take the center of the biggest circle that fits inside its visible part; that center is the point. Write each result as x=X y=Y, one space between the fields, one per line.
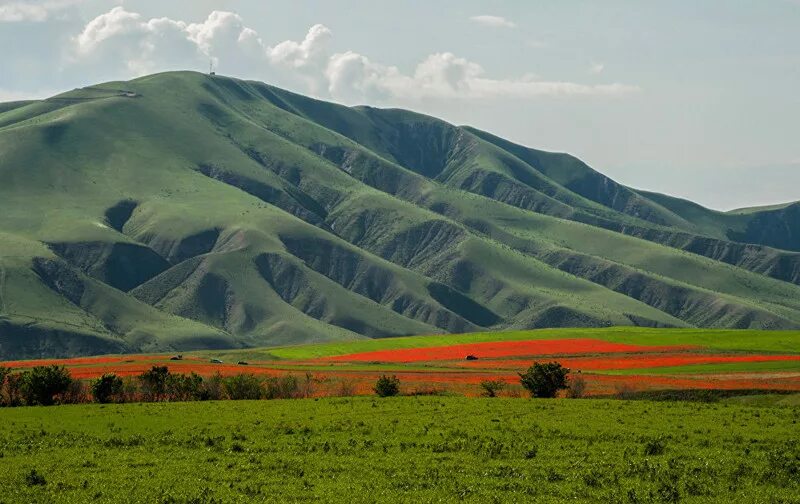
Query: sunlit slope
x=185 y=211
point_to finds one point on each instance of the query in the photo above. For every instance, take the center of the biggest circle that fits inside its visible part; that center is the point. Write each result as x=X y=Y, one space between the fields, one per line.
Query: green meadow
x=405 y=449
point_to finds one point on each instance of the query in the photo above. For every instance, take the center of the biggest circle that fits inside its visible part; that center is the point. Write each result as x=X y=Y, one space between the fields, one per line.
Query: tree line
x=49 y=385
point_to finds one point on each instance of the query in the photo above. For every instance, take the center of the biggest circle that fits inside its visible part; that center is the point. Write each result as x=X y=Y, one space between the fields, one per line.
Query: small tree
x=544 y=380
x=387 y=386
x=492 y=387
x=107 y=388
x=154 y=383
x=42 y=384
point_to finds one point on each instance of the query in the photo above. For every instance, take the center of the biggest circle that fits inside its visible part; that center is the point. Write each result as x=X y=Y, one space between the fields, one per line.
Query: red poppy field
x=611 y=361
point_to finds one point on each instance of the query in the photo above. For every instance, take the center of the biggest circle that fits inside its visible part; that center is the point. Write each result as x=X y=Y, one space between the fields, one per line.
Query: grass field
x=407 y=449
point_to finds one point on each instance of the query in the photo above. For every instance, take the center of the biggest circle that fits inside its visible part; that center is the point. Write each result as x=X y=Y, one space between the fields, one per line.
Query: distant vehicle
x=176 y=357
x=216 y=361
x=471 y=357
x=242 y=363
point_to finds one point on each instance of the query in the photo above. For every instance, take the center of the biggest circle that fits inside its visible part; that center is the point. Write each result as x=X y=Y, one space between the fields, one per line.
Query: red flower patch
x=501 y=349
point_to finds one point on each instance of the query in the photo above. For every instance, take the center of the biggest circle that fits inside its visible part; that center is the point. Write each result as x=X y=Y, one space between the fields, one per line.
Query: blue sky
x=692 y=98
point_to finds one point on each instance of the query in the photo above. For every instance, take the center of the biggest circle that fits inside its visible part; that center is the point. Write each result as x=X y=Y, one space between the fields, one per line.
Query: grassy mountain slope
x=184 y=211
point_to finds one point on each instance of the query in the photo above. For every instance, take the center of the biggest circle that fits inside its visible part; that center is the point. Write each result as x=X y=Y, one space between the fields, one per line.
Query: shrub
x=624 y=391
x=544 y=380
x=11 y=392
x=76 y=393
x=130 y=389
x=107 y=388
x=183 y=387
x=577 y=386
x=492 y=387
x=4 y=371
x=214 y=387
x=387 y=386
x=154 y=383
x=243 y=386
x=307 y=387
x=346 y=388
x=283 y=387
x=42 y=384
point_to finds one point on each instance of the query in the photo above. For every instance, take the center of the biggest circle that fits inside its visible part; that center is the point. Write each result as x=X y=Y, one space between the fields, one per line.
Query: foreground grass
x=412 y=449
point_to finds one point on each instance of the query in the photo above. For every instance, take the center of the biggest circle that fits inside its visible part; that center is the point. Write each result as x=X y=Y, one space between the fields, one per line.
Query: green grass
x=431 y=449
x=722 y=368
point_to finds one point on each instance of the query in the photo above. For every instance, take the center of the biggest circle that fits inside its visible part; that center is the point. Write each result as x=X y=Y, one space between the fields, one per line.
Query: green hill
x=187 y=211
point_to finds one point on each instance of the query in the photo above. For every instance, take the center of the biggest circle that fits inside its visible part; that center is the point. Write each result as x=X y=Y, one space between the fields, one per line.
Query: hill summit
x=185 y=211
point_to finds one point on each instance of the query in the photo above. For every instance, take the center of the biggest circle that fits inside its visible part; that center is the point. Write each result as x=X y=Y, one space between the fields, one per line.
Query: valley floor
x=405 y=449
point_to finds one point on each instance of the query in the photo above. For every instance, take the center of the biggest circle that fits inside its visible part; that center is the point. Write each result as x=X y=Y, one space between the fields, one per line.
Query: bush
x=154 y=383
x=243 y=386
x=544 y=380
x=577 y=386
x=387 y=386
x=4 y=371
x=76 y=393
x=11 y=391
x=107 y=388
x=283 y=387
x=492 y=387
x=214 y=387
x=346 y=388
x=183 y=387
x=624 y=391
x=43 y=384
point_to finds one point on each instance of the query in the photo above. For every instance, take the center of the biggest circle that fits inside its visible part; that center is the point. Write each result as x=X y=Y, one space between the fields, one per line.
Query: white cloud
x=493 y=21
x=445 y=76
x=32 y=11
x=596 y=68
x=135 y=46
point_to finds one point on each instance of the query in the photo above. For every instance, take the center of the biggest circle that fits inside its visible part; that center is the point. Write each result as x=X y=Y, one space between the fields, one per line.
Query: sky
x=697 y=98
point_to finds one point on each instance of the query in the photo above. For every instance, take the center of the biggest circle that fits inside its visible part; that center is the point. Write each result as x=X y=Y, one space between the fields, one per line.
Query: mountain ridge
x=182 y=210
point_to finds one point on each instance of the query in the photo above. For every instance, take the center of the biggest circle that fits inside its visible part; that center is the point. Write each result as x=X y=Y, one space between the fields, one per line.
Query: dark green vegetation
x=184 y=211
x=544 y=379
x=408 y=449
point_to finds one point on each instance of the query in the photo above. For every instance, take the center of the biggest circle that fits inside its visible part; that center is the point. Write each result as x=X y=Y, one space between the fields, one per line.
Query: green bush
x=154 y=383
x=43 y=384
x=11 y=391
x=214 y=387
x=183 y=387
x=492 y=387
x=283 y=387
x=4 y=371
x=243 y=386
x=107 y=388
x=544 y=380
x=387 y=386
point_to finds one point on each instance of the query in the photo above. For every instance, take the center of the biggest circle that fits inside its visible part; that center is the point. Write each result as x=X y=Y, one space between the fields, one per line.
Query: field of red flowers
x=460 y=368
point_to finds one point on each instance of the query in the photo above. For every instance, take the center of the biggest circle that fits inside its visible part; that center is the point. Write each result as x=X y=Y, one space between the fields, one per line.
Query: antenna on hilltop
x=211 y=67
